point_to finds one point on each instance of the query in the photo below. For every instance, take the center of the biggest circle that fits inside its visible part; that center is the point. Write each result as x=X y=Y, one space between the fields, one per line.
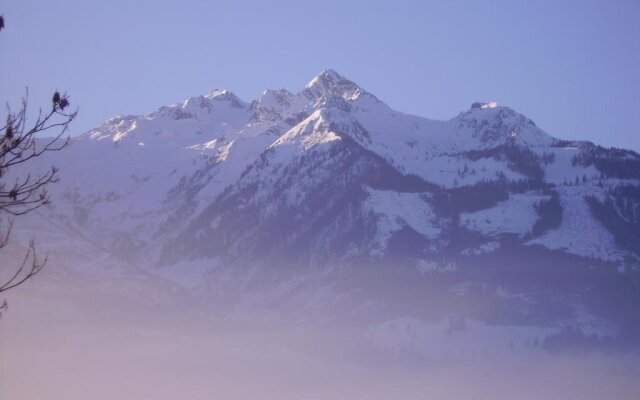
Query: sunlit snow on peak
x=483 y=105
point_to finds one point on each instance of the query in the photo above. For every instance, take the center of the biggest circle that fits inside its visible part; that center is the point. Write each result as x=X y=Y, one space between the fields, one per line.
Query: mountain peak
x=495 y=124
x=328 y=83
x=225 y=95
x=327 y=77
x=270 y=98
x=222 y=94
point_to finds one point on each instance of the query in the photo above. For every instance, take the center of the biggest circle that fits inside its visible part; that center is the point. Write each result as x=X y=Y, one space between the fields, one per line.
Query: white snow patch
x=396 y=210
x=515 y=215
x=562 y=171
x=491 y=104
x=579 y=233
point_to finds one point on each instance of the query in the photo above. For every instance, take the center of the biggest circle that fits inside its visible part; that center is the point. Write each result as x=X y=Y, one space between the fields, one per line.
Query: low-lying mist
x=116 y=335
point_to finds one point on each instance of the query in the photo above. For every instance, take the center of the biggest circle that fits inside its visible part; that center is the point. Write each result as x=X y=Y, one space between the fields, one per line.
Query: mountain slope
x=363 y=203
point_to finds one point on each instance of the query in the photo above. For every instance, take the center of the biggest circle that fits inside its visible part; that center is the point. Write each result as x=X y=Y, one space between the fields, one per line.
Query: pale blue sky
x=571 y=66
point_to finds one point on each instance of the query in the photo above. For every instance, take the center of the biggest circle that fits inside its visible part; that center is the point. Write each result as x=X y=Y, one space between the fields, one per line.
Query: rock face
x=485 y=207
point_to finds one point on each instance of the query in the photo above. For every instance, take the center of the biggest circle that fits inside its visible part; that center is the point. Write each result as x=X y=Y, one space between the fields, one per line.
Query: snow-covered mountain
x=333 y=185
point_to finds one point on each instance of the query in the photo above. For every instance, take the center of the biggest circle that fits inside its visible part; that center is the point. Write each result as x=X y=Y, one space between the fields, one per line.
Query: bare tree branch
x=21 y=275
x=19 y=146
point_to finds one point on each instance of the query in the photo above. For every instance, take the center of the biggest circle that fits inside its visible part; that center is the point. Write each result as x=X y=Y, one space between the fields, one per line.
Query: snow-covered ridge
x=153 y=174
x=485 y=125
